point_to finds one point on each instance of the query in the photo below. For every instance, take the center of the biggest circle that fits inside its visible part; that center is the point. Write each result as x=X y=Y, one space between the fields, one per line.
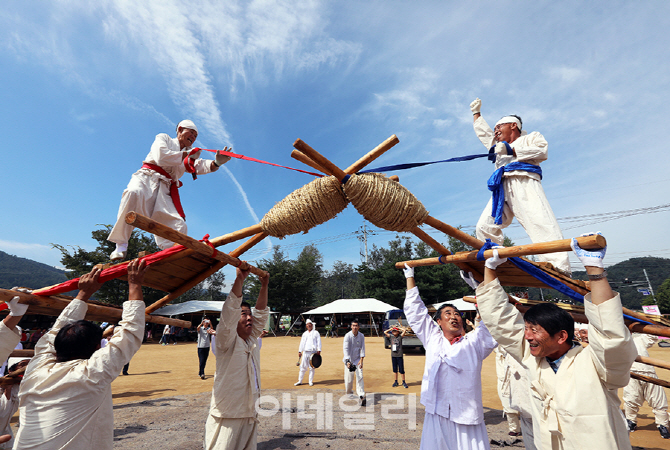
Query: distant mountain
x=15 y=271
x=658 y=270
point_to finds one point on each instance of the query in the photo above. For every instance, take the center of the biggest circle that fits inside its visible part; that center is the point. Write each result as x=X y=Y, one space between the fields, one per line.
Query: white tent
x=459 y=303
x=352 y=306
x=367 y=306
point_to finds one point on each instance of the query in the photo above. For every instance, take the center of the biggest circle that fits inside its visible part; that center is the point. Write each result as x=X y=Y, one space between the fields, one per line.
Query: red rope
x=205 y=239
x=248 y=158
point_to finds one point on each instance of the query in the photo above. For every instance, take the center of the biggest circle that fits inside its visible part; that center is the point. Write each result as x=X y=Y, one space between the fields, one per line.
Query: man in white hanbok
x=10 y=334
x=353 y=348
x=574 y=399
x=153 y=190
x=232 y=422
x=524 y=197
x=637 y=391
x=451 y=389
x=309 y=344
x=65 y=400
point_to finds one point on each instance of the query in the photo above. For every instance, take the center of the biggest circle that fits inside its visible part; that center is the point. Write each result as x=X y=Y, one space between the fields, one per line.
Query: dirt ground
x=164 y=395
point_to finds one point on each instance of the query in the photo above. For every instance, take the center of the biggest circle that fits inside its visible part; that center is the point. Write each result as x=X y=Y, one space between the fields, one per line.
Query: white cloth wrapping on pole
x=148 y=192
x=9 y=339
x=637 y=391
x=524 y=196
x=579 y=401
x=237 y=378
x=7 y=409
x=69 y=404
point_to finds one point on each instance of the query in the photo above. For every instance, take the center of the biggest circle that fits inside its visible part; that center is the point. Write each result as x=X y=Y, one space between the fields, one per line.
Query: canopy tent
x=459 y=303
x=362 y=306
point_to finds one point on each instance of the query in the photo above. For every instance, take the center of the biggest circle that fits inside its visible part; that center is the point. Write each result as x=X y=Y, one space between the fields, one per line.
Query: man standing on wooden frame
x=153 y=190
x=516 y=185
x=232 y=420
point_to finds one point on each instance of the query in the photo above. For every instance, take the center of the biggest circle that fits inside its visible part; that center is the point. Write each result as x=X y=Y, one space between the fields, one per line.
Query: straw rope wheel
x=303 y=209
x=385 y=203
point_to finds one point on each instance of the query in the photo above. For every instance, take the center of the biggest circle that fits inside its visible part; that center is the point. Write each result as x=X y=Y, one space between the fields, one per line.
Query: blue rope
x=495 y=185
x=411 y=165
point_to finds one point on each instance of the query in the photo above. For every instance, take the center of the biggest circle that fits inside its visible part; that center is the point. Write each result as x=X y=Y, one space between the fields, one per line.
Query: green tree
x=341 y=282
x=663 y=297
x=79 y=262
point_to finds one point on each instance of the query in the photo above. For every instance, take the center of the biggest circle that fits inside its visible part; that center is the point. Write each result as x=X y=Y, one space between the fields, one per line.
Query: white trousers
x=440 y=433
x=230 y=434
x=525 y=200
x=349 y=381
x=148 y=195
x=304 y=366
x=637 y=391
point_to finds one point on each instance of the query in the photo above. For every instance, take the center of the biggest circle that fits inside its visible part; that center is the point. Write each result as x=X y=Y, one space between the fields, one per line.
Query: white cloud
x=568 y=75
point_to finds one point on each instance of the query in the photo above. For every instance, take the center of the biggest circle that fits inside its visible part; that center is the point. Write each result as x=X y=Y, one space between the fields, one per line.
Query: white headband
x=187 y=124
x=509 y=119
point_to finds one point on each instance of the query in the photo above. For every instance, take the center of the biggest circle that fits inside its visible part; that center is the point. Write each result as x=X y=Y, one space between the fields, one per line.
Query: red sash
x=189 y=163
x=174 y=187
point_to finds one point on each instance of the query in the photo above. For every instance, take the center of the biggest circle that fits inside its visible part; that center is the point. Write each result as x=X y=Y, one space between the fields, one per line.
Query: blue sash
x=498 y=193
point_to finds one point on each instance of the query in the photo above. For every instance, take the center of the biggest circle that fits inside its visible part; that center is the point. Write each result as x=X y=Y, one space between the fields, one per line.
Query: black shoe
x=404 y=385
x=664 y=432
x=363 y=400
x=395 y=383
x=632 y=426
x=202 y=377
x=515 y=433
x=125 y=373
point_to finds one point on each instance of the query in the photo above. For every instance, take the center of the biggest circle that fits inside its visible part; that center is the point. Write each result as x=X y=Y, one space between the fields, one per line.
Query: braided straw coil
x=385 y=203
x=303 y=209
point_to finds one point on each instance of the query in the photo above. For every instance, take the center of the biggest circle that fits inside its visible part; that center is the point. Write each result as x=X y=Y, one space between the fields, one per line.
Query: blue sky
x=88 y=85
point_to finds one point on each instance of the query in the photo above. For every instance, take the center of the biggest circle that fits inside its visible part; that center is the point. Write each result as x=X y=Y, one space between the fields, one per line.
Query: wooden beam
x=432 y=243
x=300 y=156
x=454 y=232
x=53 y=306
x=204 y=275
x=151 y=226
x=653 y=362
x=373 y=154
x=319 y=159
x=562 y=245
x=651 y=380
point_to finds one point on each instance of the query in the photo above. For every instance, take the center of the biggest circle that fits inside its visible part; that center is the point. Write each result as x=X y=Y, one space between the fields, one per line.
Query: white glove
x=502 y=149
x=469 y=279
x=476 y=106
x=591 y=258
x=494 y=261
x=16 y=309
x=220 y=159
x=408 y=271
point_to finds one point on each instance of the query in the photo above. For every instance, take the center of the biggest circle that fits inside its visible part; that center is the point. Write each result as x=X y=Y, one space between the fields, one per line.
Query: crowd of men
x=556 y=393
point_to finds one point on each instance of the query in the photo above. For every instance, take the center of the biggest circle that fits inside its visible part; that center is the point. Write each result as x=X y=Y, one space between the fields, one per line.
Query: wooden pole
x=563 y=245
x=454 y=232
x=653 y=362
x=432 y=243
x=204 y=275
x=373 y=154
x=651 y=380
x=151 y=226
x=319 y=159
x=53 y=306
x=26 y=353
x=300 y=156
x=236 y=235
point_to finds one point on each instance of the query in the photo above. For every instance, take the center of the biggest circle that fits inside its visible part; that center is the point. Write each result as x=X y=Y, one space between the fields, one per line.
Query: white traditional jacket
x=68 y=405
x=238 y=370
x=9 y=338
x=452 y=380
x=577 y=407
x=310 y=342
x=353 y=347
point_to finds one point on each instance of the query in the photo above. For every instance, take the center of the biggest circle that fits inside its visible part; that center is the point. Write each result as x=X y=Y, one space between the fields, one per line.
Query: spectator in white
x=451 y=388
x=232 y=421
x=153 y=190
x=165 y=339
x=573 y=389
x=309 y=345
x=638 y=391
x=66 y=393
x=9 y=403
x=204 y=332
x=10 y=334
x=519 y=154
x=353 y=348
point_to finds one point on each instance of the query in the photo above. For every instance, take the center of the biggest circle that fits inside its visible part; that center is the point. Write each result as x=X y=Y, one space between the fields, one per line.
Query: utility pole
x=364 y=238
x=649 y=284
